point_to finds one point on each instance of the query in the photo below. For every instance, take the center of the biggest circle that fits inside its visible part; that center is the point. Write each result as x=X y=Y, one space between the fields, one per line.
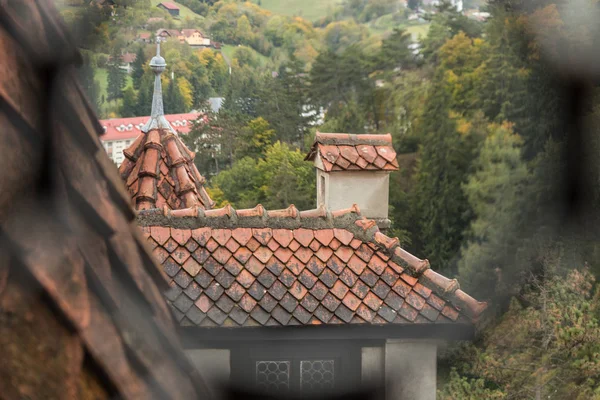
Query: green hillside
x=309 y=9
x=183 y=10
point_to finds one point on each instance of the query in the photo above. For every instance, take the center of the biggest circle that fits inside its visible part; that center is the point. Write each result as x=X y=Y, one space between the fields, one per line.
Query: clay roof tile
x=181 y=183
x=335 y=269
x=341 y=152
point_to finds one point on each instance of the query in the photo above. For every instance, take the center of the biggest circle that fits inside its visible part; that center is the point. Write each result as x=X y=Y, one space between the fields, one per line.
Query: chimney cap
x=349 y=152
x=354 y=140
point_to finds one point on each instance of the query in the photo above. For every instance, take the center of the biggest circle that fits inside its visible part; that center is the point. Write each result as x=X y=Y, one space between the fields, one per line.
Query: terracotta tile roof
x=144 y=35
x=159 y=172
x=169 y=5
x=171 y=32
x=131 y=128
x=190 y=32
x=77 y=281
x=285 y=267
x=347 y=152
x=128 y=58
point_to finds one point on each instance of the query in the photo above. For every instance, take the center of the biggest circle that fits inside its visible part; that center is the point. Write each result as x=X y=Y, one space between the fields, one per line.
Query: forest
x=479 y=118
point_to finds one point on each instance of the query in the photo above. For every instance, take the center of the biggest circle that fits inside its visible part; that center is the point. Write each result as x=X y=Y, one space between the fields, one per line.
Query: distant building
x=317 y=116
x=170 y=8
x=456 y=3
x=145 y=37
x=215 y=103
x=165 y=34
x=119 y=133
x=194 y=38
x=127 y=60
x=478 y=15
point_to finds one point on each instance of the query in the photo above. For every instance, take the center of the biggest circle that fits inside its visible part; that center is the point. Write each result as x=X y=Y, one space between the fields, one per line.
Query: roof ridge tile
x=258 y=211
x=353 y=139
x=290 y=212
x=389 y=243
x=177 y=183
x=352 y=210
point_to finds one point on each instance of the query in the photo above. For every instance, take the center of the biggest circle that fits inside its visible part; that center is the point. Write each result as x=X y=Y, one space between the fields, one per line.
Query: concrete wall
x=410 y=370
x=213 y=365
x=368 y=189
x=373 y=366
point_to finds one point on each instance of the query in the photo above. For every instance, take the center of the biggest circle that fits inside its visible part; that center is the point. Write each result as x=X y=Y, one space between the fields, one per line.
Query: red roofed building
x=194 y=38
x=145 y=37
x=127 y=59
x=170 y=8
x=119 y=133
x=295 y=302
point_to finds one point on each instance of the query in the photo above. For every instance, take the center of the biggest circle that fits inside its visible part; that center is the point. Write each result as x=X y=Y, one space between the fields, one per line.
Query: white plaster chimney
x=354 y=169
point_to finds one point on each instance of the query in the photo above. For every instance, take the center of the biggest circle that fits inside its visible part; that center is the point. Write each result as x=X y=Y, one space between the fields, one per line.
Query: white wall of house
x=115 y=148
x=368 y=189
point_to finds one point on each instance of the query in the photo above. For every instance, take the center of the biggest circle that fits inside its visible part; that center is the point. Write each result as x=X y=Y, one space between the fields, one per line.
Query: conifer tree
x=413 y=4
x=395 y=51
x=440 y=206
x=495 y=192
x=174 y=102
x=116 y=82
x=88 y=83
x=144 y=100
x=138 y=68
x=130 y=102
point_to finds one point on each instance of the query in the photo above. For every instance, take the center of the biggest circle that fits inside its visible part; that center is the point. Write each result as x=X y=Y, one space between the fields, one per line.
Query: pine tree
x=144 y=100
x=495 y=192
x=395 y=51
x=440 y=206
x=413 y=4
x=199 y=79
x=88 y=83
x=138 y=68
x=130 y=102
x=174 y=102
x=284 y=100
x=116 y=82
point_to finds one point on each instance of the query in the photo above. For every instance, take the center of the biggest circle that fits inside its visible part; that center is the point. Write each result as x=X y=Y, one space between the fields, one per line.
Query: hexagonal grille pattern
x=273 y=376
x=317 y=374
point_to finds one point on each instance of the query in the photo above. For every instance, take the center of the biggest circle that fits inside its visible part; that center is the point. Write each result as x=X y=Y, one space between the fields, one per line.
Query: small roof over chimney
x=354 y=169
x=348 y=152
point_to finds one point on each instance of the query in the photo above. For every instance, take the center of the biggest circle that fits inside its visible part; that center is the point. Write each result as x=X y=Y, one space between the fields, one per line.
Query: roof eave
x=224 y=336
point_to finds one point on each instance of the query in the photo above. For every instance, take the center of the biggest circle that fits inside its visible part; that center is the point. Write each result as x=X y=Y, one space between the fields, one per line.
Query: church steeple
x=157 y=117
x=159 y=169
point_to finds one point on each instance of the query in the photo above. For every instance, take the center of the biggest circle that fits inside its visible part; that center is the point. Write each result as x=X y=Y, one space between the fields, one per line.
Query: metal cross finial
x=157 y=117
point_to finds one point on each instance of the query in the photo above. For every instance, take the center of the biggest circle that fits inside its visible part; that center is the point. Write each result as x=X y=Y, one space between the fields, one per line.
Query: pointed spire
x=157 y=117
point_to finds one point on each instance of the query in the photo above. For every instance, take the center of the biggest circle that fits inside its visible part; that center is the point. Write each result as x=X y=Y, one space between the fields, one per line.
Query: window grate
x=273 y=376
x=317 y=374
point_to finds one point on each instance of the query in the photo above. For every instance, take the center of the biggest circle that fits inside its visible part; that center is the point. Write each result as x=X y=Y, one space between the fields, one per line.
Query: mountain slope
x=309 y=9
x=183 y=10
